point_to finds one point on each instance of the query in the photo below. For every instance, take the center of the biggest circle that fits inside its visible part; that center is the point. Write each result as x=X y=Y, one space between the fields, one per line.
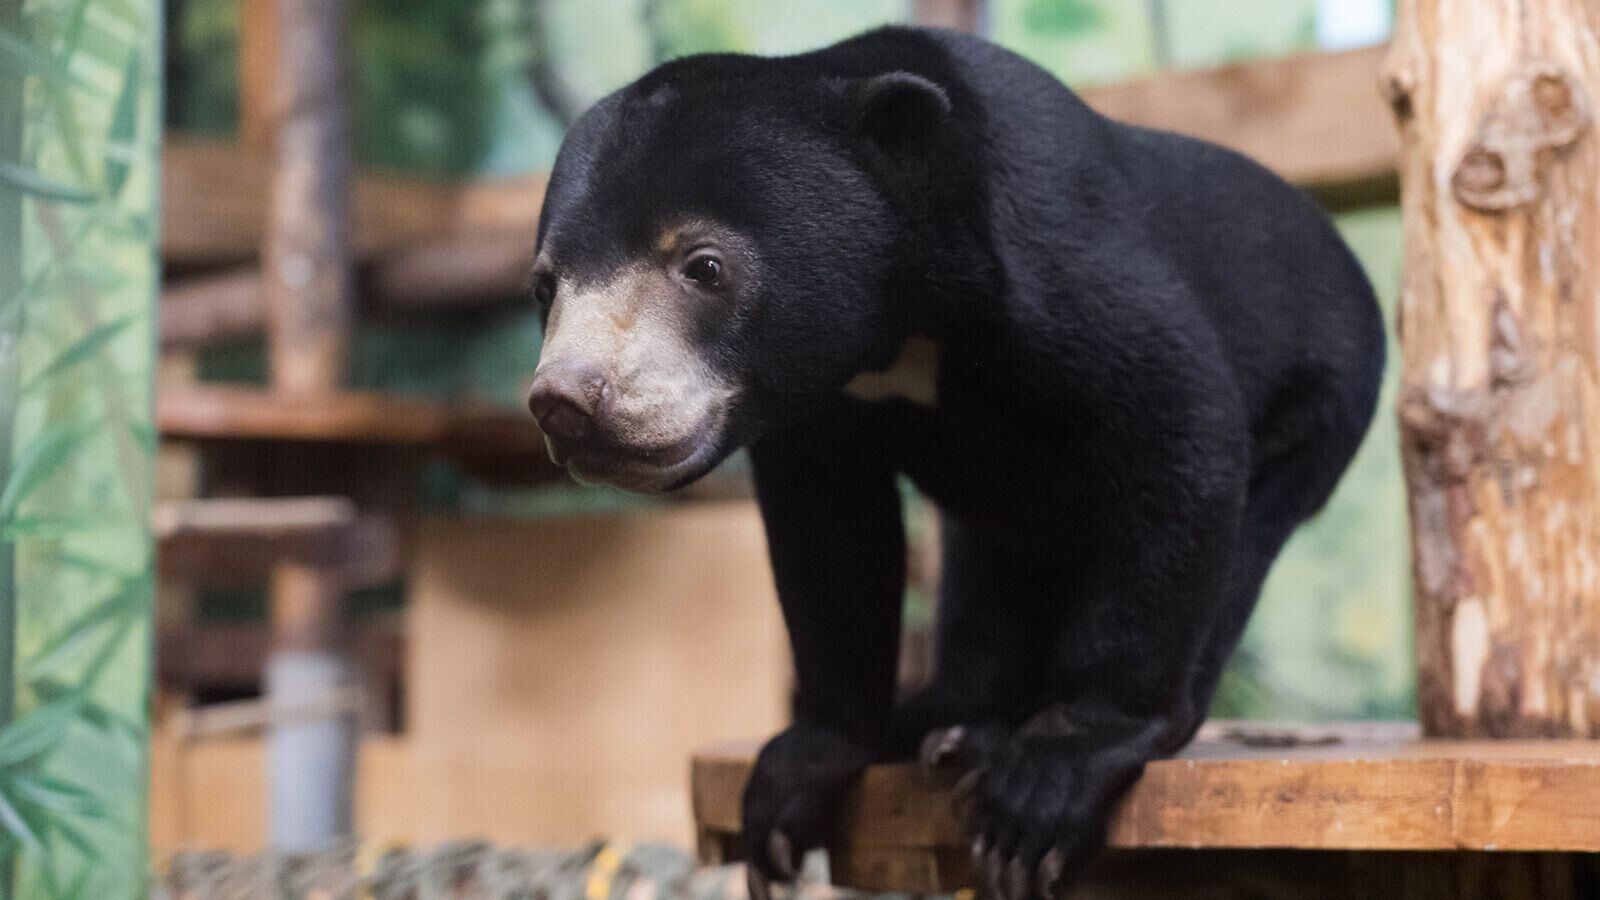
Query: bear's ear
x=900 y=110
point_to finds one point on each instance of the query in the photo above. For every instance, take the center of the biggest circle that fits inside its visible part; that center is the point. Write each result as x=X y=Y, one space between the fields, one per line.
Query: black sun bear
x=1154 y=359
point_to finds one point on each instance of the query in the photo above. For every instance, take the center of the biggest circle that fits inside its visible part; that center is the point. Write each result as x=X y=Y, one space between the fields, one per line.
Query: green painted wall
x=79 y=132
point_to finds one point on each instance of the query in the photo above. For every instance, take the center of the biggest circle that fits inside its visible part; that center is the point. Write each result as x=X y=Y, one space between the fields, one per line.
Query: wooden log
x=1369 y=792
x=453 y=273
x=307 y=259
x=1500 y=383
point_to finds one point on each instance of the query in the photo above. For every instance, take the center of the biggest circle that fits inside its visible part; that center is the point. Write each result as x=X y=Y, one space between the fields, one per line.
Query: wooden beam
x=1370 y=791
x=233 y=541
x=1317 y=119
x=499 y=445
x=214 y=203
x=216 y=412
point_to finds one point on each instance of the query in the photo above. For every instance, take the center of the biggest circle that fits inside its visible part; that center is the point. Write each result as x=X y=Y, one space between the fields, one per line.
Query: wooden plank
x=232 y=541
x=1353 y=795
x=217 y=412
x=1317 y=119
x=214 y=203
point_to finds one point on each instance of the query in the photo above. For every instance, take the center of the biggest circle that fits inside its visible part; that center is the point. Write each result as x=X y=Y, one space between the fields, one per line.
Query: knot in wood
x=1447 y=429
x=1540 y=112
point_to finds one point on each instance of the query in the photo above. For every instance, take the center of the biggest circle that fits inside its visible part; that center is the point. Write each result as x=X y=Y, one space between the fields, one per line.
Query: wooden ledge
x=480 y=436
x=1374 y=788
x=216 y=412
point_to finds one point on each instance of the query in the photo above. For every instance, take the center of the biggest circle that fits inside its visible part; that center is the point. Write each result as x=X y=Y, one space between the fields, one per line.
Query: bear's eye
x=703 y=270
x=544 y=291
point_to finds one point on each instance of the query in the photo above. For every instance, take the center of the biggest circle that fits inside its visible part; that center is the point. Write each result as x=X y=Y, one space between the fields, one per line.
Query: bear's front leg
x=1124 y=662
x=832 y=512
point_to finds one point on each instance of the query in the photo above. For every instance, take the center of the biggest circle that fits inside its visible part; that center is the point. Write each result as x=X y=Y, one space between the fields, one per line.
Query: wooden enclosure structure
x=1499 y=321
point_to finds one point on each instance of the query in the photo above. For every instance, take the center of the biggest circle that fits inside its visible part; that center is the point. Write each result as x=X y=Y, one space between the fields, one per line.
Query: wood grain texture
x=1500 y=382
x=901 y=833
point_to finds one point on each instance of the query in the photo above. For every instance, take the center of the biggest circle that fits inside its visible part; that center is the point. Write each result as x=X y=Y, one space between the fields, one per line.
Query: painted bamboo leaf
x=77 y=228
x=36 y=185
x=18 y=828
x=35 y=734
x=124 y=126
x=83 y=349
x=38 y=461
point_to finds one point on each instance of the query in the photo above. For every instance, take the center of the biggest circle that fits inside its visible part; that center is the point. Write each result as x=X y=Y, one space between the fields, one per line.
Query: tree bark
x=1499 y=323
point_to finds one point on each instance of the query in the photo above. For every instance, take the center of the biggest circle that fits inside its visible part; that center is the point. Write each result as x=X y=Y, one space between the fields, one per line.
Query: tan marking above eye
x=668 y=240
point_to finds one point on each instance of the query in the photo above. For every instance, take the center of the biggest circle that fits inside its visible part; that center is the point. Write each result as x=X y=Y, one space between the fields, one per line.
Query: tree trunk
x=1499 y=323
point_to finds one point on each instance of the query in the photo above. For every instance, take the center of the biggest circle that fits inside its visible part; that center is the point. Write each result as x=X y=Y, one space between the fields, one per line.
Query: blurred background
x=533 y=661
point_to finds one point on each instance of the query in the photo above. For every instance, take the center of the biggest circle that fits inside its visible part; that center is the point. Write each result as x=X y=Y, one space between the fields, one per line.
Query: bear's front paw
x=1041 y=809
x=795 y=787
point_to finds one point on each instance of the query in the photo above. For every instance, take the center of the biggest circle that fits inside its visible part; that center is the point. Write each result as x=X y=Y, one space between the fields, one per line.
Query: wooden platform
x=1372 y=789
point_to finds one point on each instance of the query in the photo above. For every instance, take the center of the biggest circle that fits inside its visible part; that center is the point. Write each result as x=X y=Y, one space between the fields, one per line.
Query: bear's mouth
x=647 y=470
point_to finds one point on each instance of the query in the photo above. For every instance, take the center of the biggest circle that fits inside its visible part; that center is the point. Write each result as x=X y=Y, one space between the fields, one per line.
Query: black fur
x=1158 y=358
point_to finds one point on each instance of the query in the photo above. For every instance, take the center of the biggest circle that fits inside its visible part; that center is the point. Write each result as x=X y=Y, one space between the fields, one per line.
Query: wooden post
x=258 y=74
x=960 y=15
x=308 y=285
x=308 y=275
x=1499 y=321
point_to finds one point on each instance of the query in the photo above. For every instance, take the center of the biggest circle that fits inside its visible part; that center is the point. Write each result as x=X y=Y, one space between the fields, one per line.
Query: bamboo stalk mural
x=79 y=134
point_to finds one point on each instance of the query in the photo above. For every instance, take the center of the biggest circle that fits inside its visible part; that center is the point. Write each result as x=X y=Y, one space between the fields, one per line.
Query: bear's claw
x=781 y=852
x=756 y=884
x=940 y=748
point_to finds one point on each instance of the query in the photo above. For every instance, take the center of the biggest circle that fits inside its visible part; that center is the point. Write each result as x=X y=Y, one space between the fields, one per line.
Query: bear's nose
x=565 y=400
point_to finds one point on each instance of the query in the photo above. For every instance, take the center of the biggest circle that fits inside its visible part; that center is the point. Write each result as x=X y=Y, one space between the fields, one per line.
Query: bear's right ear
x=899 y=110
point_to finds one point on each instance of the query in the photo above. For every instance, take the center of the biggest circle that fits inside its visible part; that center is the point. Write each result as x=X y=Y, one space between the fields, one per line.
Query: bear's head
x=715 y=258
